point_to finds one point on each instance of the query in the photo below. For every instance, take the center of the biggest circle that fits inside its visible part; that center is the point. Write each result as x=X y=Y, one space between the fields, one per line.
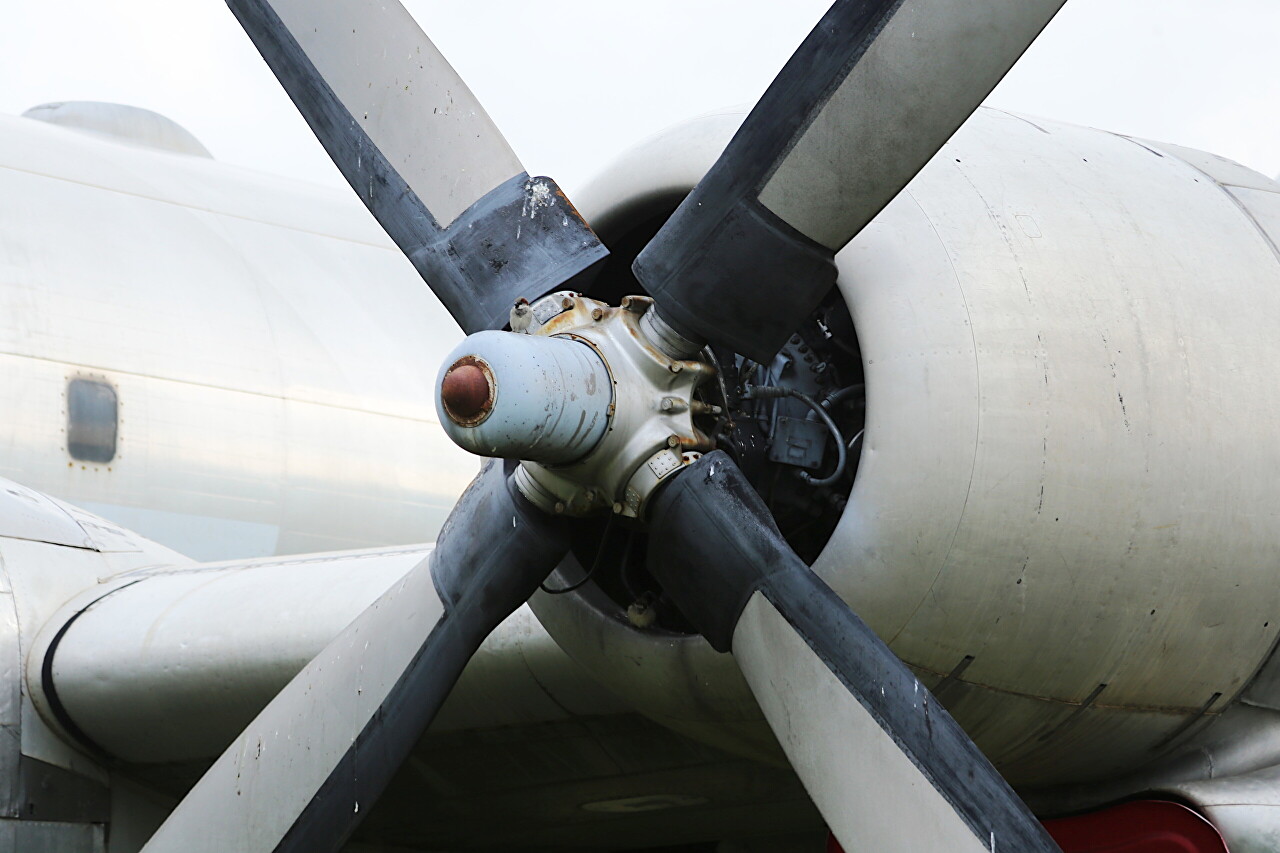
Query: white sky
x=573 y=82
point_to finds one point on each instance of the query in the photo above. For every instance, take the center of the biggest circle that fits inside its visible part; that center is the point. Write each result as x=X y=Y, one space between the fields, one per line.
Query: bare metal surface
x=663 y=335
x=872 y=794
x=1245 y=808
x=927 y=70
x=404 y=94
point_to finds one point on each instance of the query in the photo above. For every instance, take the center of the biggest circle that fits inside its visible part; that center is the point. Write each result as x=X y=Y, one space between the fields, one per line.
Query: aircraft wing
x=159 y=669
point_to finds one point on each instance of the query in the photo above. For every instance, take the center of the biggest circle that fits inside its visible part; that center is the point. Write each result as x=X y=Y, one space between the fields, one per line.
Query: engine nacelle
x=1064 y=511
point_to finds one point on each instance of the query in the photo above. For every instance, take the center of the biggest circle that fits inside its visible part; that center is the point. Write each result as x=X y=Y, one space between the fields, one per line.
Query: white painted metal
x=273 y=352
x=27 y=514
x=870 y=792
x=651 y=433
x=244 y=804
x=313 y=427
x=1066 y=471
x=121 y=123
x=406 y=97
x=1059 y=474
x=36 y=578
x=552 y=397
x=171 y=663
x=168 y=663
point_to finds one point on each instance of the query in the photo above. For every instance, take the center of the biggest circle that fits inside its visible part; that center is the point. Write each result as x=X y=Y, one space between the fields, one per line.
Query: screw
x=641 y=615
x=559 y=507
x=636 y=304
x=597 y=314
x=673 y=441
x=675 y=367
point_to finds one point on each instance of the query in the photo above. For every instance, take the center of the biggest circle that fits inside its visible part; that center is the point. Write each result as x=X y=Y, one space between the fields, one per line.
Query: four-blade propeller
x=866 y=101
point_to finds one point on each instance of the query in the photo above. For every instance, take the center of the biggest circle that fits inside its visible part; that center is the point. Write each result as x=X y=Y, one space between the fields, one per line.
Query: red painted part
x=1143 y=826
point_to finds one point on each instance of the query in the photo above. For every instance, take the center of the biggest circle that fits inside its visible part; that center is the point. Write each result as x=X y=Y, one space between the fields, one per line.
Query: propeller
x=885 y=763
x=301 y=776
x=423 y=155
x=866 y=101
x=868 y=98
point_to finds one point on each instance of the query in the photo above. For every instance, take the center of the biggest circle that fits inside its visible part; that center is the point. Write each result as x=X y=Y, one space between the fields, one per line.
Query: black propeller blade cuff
x=522 y=239
x=747 y=285
x=493 y=552
x=496 y=547
x=714 y=543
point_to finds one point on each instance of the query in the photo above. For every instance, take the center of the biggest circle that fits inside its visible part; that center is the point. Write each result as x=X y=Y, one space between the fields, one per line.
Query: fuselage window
x=91 y=420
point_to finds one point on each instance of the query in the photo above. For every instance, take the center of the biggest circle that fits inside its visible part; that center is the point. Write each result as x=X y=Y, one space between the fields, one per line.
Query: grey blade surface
x=885 y=763
x=868 y=98
x=422 y=154
x=314 y=762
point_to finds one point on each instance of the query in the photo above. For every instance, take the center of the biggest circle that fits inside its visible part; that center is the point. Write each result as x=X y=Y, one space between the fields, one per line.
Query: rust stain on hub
x=467 y=391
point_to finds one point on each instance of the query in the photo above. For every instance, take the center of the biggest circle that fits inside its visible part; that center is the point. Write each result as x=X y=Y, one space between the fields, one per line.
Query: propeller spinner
x=598 y=403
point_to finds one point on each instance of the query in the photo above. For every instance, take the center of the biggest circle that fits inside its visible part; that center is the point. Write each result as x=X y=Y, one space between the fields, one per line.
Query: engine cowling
x=1063 y=512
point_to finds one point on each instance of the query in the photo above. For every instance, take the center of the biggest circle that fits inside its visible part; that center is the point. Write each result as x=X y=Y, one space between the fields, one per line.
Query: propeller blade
x=422 y=154
x=885 y=763
x=312 y=764
x=868 y=98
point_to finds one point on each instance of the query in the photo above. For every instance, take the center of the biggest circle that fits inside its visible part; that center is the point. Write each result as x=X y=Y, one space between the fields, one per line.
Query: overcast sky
x=572 y=82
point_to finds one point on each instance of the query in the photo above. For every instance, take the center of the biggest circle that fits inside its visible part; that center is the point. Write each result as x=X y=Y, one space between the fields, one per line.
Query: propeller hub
x=539 y=398
x=586 y=395
x=467 y=391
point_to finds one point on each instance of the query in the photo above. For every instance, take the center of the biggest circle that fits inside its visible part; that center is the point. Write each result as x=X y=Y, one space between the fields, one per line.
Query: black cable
x=604 y=539
x=625 y=569
x=842 y=394
x=724 y=420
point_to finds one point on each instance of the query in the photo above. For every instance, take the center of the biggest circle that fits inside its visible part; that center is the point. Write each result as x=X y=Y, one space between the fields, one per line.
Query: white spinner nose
x=545 y=400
